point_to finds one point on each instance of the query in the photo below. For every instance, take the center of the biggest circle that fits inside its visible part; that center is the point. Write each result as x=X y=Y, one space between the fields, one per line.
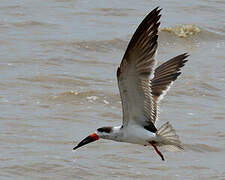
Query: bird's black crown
x=105 y=129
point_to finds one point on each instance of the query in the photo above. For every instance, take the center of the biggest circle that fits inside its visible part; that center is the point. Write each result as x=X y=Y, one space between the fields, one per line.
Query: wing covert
x=135 y=72
x=164 y=77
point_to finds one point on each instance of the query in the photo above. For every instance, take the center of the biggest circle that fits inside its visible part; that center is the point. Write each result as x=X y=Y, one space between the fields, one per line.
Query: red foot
x=158 y=152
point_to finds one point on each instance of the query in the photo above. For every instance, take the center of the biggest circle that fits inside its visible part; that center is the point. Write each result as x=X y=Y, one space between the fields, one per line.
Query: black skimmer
x=142 y=86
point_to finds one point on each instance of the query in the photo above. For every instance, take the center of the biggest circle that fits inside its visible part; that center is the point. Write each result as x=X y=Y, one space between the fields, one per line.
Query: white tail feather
x=168 y=138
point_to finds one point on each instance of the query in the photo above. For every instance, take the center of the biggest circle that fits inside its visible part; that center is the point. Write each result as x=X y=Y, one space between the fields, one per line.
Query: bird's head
x=103 y=132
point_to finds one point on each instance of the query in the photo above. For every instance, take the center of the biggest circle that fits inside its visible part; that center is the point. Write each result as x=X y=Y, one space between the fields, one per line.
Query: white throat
x=115 y=134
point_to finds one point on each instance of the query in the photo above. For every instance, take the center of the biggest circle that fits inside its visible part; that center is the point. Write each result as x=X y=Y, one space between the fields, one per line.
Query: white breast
x=136 y=134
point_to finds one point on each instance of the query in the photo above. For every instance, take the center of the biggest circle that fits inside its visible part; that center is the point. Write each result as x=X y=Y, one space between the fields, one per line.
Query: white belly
x=137 y=135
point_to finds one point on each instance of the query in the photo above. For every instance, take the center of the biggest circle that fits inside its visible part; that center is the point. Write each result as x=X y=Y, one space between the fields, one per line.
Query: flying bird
x=142 y=87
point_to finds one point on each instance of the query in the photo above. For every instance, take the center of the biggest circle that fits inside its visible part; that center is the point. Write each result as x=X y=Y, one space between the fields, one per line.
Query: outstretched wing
x=135 y=72
x=164 y=77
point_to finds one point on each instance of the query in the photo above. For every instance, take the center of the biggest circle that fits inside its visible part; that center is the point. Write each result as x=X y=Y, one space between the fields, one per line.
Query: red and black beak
x=93 y=137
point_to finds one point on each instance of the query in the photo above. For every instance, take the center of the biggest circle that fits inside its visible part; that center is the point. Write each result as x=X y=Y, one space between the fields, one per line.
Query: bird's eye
x=105 y=129
x=100 y=129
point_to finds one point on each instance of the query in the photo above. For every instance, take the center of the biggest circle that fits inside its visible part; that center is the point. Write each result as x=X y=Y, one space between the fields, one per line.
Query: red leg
x=158 y=152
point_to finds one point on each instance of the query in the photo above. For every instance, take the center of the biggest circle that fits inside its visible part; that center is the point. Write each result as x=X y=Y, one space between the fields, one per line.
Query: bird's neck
x=117 y=129
x=116 y=134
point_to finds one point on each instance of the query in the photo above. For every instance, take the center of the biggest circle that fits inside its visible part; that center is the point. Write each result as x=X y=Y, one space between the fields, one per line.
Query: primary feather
x=135 y=72
x=141 y=85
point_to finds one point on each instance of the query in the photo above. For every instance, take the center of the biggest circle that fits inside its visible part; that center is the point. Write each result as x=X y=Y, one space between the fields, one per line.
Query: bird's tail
x=168 y=138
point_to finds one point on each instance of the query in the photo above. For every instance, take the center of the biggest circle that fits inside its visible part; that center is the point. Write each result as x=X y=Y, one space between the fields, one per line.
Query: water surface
x=58 y=84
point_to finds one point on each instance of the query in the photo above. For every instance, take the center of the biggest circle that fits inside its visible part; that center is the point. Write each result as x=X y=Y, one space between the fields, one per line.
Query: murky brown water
x=58 y=84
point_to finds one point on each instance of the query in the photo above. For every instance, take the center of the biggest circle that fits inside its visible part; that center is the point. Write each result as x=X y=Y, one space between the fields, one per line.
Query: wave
x=202 y=148
x=107 y=12
x=30 y=24
x=83 y=97
x=188 y=33
x=101 y=45
x=167 y=35
x=182 y=30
